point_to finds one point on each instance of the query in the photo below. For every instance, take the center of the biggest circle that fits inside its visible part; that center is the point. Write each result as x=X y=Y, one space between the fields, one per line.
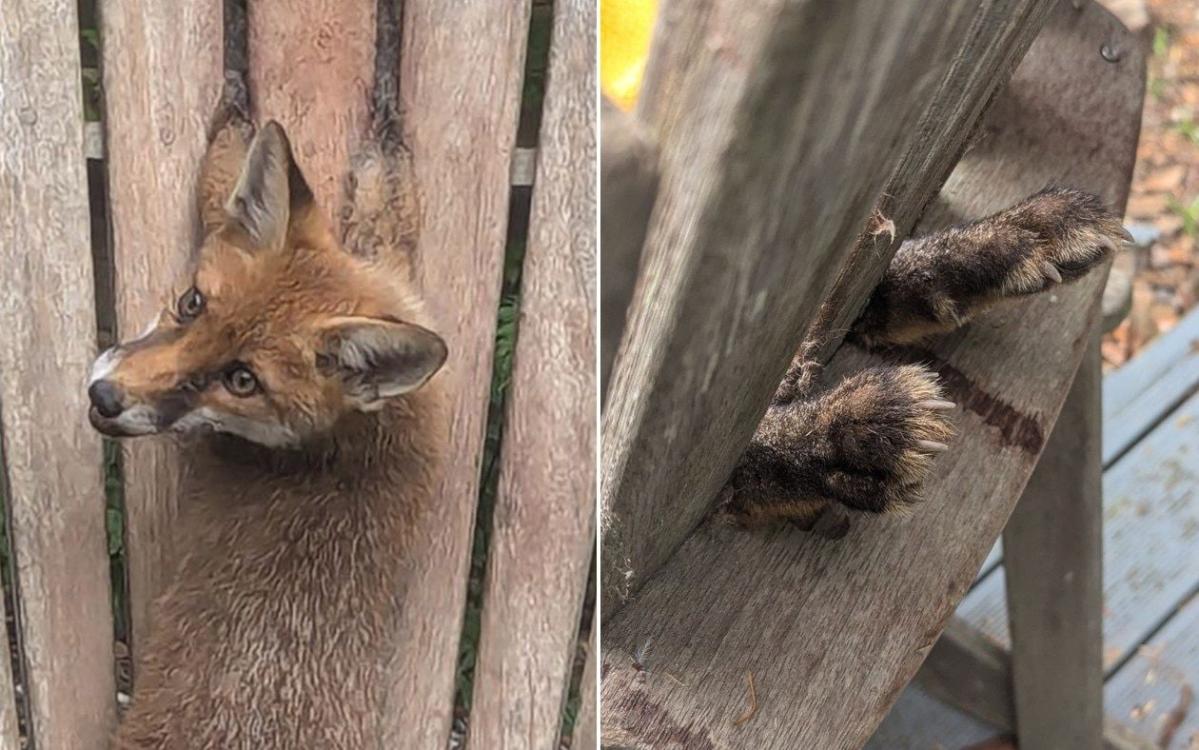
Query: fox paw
x=1072 y=232
x=882 y=429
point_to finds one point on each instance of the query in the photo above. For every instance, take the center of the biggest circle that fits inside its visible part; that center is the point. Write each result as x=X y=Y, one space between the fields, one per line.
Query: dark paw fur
x=1072 y=233
x=882 y=430
x=868 y=445
x=939 y=282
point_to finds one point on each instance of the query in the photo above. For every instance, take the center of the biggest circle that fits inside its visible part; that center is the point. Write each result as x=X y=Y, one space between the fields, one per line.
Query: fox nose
x=106 y=397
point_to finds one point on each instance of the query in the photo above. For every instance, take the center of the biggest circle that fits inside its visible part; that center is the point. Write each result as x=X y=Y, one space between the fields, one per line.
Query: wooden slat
x=758 y=142
x=974 y=674
x=1151 y=687
x=919 y=721
x=162 y=78
x=1141 y=393
x=587 y=723
x=54 y=487
x=543 y=533
x=1151 y=506
x=311 y=67
x=1055 y=577
x=833 y=630
x=461 y=71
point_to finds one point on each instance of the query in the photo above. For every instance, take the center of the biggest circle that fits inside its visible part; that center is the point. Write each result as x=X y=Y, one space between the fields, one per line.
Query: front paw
x=1071 y=233
x=882 y=429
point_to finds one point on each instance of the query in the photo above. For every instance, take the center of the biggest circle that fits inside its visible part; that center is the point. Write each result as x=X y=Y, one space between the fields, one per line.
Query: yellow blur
x=625 y=30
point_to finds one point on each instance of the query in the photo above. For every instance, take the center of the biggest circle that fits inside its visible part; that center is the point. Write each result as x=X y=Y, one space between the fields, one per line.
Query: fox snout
x=114 y=411
x=107 y=399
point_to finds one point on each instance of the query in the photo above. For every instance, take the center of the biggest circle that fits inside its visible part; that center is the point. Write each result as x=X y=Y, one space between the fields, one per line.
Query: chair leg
x=1053 y=561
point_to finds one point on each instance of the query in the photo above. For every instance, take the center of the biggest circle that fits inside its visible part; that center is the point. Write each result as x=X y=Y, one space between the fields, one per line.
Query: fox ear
x=270 y=191
x=379 y=358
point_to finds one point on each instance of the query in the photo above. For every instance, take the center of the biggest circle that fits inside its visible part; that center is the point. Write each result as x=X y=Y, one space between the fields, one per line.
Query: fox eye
x=190 y=305
x=240 y=381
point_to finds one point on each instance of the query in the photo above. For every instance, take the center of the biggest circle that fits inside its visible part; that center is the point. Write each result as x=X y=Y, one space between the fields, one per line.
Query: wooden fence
x=309 y=64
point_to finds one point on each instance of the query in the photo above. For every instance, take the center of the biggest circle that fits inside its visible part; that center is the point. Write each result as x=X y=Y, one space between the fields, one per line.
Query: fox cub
x=868 y=443
x=301 y=370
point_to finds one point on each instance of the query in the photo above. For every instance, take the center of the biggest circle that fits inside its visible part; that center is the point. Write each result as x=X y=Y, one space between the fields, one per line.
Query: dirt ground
x=1163 y=210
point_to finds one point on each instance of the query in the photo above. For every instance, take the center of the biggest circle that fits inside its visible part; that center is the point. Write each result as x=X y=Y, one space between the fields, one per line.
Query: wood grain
x=1054 y=544
x=757 y=143
x=543 y=530
x=162 y=79
x=833 y=630
x=52 y=472
x=312 y=64
x=461 y=72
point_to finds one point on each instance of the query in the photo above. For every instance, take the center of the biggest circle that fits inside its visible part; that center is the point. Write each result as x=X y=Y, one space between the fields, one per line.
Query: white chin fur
x=138 y=420
x=269 y=435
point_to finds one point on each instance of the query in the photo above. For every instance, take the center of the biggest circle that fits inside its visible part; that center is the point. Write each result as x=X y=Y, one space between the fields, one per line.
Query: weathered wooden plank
x=52 y=472
x=1140 y=394
x=311 y=68
x=543 y=532
x=162 y=78
x=587 y=723
x=760 y=142
x=833 y=630
x=1151 y=508
x=1150 y=691
x=1054 y=577
x=461 y=127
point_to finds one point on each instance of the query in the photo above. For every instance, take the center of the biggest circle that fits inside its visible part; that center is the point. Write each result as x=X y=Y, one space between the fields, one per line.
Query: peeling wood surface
x=757 y=143
x=1153 y=686
x=543 y=531
x=833 y=630
x=53 y=486
x=162 y=79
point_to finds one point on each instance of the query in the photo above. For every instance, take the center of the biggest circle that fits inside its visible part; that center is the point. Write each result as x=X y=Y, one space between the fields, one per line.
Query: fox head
x=275 y=332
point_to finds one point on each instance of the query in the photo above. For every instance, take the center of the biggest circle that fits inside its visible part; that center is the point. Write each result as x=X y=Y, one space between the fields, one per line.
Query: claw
x=936 y=405
x=1051 y=271
x=1127 y=235
x=932 y=446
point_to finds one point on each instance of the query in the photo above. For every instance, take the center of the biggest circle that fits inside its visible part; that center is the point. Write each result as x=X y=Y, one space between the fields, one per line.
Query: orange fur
x=280 y=616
